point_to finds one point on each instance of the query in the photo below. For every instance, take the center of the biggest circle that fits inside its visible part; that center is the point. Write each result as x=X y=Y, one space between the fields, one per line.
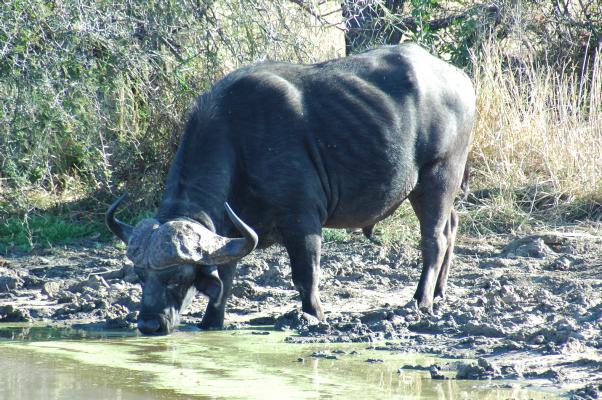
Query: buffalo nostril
x=149 y=326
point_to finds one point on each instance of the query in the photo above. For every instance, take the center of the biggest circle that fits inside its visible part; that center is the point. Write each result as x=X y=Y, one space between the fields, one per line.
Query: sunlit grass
x=538 y=138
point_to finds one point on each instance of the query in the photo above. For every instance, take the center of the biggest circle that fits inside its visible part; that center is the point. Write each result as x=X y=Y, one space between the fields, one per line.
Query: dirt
x=526 y=307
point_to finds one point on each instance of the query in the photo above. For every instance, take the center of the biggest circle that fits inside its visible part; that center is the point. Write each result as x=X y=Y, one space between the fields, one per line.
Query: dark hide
x=294 y=148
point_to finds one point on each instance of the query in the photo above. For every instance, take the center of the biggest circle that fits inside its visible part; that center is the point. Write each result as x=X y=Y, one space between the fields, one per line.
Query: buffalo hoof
x=211 y=324
x=315 y=309
x=424 y=305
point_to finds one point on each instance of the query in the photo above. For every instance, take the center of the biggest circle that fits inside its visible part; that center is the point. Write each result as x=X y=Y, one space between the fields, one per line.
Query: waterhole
x=53 y=363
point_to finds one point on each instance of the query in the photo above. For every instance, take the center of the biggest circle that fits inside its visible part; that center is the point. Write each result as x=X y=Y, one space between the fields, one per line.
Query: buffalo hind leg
x=432 y=201
x=214 y=314
x=303 y=247
x=450 y=233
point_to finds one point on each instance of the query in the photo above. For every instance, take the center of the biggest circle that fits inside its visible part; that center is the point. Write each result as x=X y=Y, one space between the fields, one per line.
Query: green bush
x=95 y=94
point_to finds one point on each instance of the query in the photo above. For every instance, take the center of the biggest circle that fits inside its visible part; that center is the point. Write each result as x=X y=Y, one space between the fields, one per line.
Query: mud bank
x=527 y=307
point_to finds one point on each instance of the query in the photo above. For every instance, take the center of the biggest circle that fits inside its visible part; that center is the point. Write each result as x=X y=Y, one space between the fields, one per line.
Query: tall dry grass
x=537 y=149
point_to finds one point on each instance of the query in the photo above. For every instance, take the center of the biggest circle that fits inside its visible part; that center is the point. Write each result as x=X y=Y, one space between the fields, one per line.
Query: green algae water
x=44 y=363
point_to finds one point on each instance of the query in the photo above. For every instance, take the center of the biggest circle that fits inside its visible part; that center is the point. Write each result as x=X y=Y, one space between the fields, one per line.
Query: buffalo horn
x=122 y=230
x=236 y=248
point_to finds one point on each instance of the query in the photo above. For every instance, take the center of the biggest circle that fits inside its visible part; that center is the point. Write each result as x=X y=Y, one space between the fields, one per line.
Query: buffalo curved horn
x=234 y=248
x=122 y=230
x=240 y=247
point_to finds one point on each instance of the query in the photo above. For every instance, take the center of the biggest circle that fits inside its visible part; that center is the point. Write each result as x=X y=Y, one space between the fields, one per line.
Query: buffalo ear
x=211 y=286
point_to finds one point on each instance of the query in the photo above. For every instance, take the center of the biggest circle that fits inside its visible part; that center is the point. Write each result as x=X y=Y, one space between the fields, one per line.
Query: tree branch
x=441 y=23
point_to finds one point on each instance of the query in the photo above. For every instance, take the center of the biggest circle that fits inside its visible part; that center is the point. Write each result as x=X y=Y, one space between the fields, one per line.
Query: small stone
x=375 y=361
x=324 y=354
x=551 y=374
x=489 y=367
x=435 y=374
x=51 y=289
x=588 y=392
x=295 y=319
x=530 y=246
x=416 y=367
x=539 y=339
x=562 y=263
x=469 y=371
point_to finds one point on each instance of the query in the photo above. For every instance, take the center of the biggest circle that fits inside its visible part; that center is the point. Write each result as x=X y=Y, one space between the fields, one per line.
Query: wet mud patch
x=522 y=307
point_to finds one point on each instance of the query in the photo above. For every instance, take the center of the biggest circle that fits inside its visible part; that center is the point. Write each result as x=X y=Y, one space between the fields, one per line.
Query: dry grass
x=538 y=138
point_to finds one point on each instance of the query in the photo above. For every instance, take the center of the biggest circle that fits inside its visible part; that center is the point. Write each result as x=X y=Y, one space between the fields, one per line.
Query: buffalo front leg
x=214 y=314
x=304 y=252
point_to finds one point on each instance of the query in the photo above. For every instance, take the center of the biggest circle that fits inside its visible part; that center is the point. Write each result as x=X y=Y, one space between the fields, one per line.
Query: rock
x=588 y=392
x=530 y=246
x=508 y=295
x=65 y=296
x=93 y=283
x=375 y=361
x=9 y=313
x=295 y=319
x=472 y=371
x=267 y=320
x=40 y=313
x=324 y=354
x=572 y=346
x=555 y=376
x=489 y=367
x=51 y=288
x=122 y=321
x=538 y=339
x=32 y=282
x=511 y=372
x=435 y=374
x=414 y=367
x=562 y=263
x=483 y=329
x=244 y=289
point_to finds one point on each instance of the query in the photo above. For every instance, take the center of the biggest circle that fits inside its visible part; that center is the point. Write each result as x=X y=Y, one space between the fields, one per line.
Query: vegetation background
x=93 y=95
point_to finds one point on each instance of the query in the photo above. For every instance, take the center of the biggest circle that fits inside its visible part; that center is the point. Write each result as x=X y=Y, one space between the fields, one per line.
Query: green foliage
x=97 y=92
x=35 y=231
x=335 y=235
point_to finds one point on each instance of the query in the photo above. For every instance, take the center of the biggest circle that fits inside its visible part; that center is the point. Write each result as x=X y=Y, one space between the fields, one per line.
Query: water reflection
x=25 y=332
x=38 y=362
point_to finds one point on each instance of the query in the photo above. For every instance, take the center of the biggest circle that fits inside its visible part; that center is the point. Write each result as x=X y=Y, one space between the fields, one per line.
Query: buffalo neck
x=200 y=177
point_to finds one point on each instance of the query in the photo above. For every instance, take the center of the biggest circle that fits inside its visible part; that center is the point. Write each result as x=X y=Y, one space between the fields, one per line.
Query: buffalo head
x=174 y=261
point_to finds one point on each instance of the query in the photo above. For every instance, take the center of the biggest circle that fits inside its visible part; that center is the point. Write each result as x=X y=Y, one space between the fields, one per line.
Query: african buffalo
x=294 y=148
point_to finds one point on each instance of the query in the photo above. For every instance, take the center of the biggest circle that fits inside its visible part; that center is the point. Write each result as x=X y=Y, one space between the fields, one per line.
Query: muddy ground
x=523 y=307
